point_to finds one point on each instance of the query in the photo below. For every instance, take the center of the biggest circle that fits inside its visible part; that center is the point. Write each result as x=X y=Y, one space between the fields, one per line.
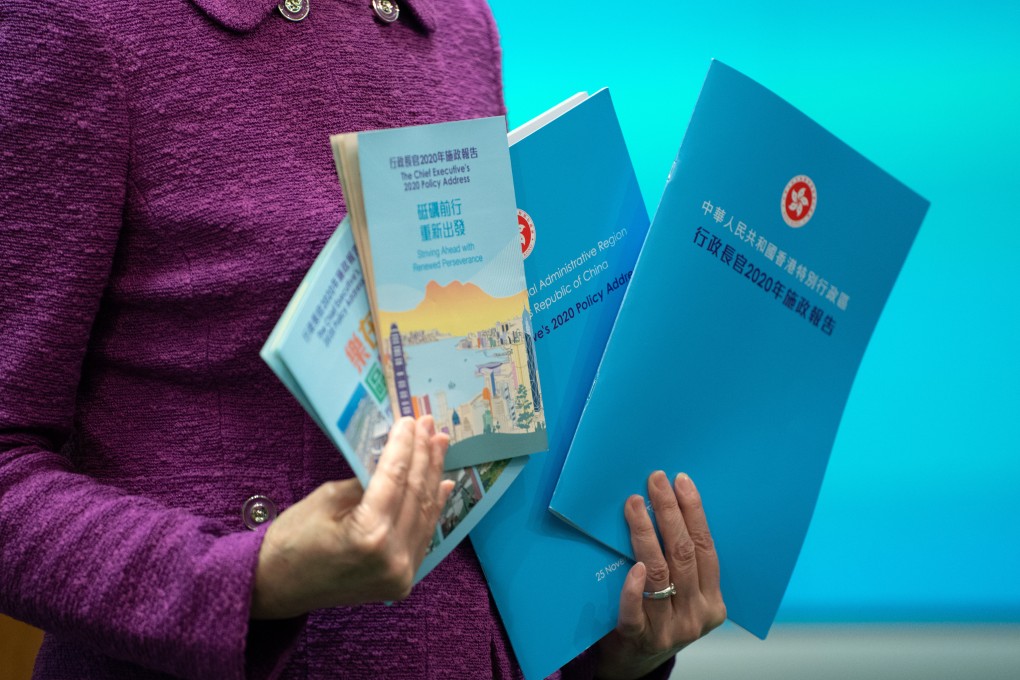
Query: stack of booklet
x=516 y=291
x=428 y=315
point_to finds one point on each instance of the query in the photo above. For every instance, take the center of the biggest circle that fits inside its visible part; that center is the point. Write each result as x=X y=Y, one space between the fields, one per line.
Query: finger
x=387 y=487
x=697 y=527
x=632 y=621
x=647 y=550
x=445 y=489
x=420 y=504
x=645 y=543
x=676 y=541
x=439 y=443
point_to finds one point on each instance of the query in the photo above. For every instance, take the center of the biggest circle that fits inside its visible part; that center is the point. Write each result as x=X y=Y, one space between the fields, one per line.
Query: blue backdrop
x=917 y=519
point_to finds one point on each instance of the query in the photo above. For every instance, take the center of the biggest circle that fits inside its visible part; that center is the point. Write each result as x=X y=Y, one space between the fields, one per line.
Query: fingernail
x=636 y=503
x=684 y=483
x=661 y=480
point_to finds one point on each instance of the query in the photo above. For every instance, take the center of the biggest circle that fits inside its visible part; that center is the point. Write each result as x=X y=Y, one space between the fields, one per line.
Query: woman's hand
x=650 y=631
x=342 y=546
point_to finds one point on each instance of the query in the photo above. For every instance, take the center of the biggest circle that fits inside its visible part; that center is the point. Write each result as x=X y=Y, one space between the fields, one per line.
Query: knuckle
x=690 y=627
x=427 y=505
x=399 y=470
x=698 y=625
x=717 y=616
x=689 y=631
x=662 y=643
x=371 y=548
x=657 y=571
x=702 y=540
x=371 y=541
x=681 y=553
x=631 y=630
x=330 y=489
x=645 y=533
x=429 y=508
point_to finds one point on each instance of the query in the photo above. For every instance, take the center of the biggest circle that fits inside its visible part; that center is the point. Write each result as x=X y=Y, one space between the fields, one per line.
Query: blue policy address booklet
x=765 y=270
x=432 y=211
x=582 y=222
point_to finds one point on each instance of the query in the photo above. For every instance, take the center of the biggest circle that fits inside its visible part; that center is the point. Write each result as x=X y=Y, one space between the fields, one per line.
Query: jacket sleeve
x=136 y=580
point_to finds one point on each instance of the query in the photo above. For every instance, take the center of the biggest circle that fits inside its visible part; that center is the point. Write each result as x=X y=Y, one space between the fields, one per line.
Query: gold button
x=387 y=10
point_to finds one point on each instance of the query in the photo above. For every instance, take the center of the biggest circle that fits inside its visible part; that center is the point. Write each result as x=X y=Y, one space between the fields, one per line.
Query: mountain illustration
x=457 y=309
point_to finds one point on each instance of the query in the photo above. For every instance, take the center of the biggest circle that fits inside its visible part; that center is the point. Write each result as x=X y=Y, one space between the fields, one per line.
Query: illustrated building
x=529 y=346
x=400 y=372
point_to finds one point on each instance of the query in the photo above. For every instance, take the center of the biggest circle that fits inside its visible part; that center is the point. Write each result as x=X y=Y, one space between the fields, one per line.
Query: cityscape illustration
x=480 y=383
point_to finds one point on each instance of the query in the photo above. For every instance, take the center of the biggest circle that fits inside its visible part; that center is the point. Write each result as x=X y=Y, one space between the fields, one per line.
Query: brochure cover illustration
x=446 y=281
x=764 y=272
x=324 y=351
x=582 y=222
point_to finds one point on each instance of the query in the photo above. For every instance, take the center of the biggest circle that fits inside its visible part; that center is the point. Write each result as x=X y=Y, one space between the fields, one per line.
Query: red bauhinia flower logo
x=527 y=228
x=800 y=198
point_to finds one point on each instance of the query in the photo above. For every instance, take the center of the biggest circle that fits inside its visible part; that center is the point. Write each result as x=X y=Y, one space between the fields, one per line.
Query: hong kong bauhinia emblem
x=799 y=201
x=527 y=230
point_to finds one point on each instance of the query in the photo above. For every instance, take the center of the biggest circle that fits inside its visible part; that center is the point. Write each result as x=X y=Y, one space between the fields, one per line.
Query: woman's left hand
x=650 y=631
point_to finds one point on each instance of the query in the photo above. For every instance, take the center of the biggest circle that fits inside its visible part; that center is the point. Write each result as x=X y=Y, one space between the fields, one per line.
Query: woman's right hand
x=342 y=546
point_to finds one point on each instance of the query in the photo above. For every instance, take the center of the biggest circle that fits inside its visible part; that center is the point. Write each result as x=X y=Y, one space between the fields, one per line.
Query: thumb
x=631 y=621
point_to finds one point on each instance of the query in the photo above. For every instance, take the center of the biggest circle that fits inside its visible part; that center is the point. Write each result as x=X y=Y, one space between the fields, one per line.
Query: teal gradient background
x=917 y=519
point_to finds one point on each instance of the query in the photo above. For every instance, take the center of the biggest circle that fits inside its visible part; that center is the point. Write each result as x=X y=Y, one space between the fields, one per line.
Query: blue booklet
x=582 y=222
x=324 y=349
x=765 y=270
x=433 y=214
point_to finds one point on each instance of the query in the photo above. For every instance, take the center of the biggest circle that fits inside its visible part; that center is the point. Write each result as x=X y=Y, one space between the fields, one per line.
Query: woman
x=166 y=181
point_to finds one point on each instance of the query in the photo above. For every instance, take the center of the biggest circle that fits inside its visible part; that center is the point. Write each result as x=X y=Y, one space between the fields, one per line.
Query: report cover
x=324 y=349
x=434 y=217
x=765 y=270
x=582 y=222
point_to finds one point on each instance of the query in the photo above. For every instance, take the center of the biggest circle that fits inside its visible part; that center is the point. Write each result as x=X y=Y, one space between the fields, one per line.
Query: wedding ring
x=669 y=591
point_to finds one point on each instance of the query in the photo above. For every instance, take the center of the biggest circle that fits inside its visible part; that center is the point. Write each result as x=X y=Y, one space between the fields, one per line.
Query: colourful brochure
x=433 y=213
x=765 y=270
x=582 y=223
x=324 y=350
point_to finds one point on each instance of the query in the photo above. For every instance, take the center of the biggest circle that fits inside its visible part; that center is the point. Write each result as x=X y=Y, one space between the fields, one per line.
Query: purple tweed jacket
x=165 y=181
